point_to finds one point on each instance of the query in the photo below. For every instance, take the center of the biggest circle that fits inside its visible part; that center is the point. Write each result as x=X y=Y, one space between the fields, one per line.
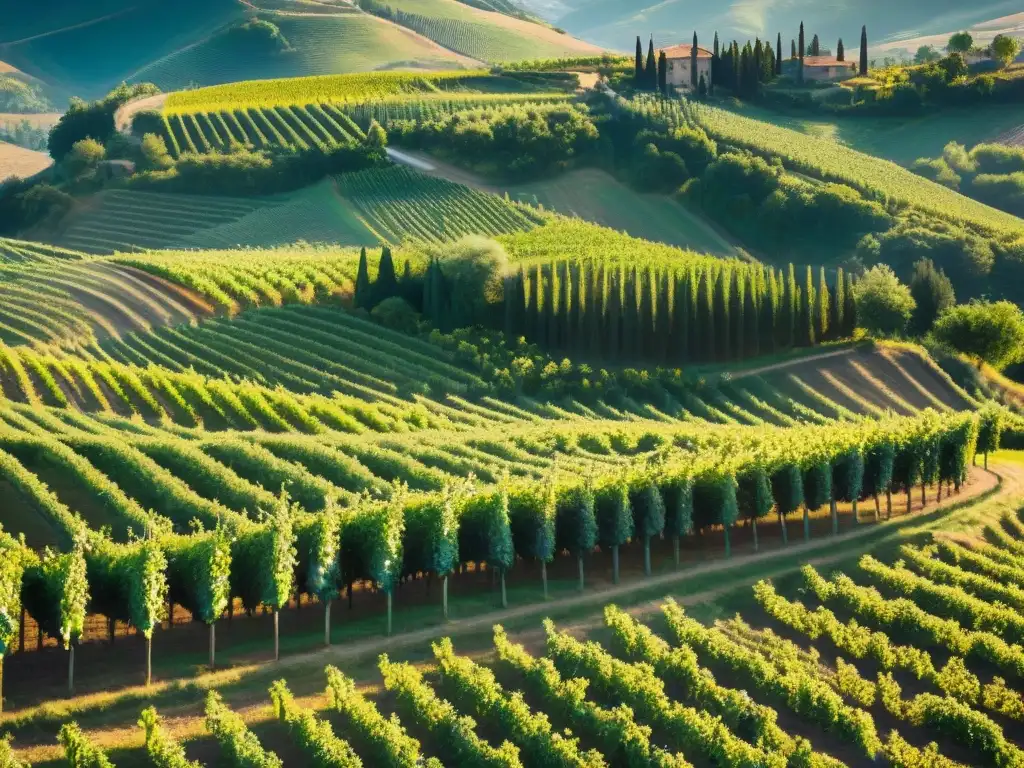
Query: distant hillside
x=615 y=23
x=17 y=161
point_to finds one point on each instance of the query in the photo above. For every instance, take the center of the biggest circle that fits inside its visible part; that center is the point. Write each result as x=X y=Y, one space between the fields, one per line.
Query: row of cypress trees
x=666 y=316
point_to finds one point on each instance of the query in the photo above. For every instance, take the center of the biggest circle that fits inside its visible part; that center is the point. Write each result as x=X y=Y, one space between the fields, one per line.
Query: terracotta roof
x=827 y=61
x=683 y=52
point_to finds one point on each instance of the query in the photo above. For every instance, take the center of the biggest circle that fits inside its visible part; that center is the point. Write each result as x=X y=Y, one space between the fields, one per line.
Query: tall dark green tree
x=737 y=322
x=681 y=312
x=807 y=304
x=663 y=319
x=576 y=523
x=815 y=48
x=850 y=312
x=838 y=319
x=386 y=284
x=933 y=292
x=694 y=82
x=362 y=297
x=822 y=311
x=721 y=316
x=534 y=312
x=792 y=49
x=758 y=58
x=613 y=316
x=630 y=317
x=576 y=332
x=800 y=50
x=651 y=71
x=663 y=74
x=550 y=307
x=639 y=75
x=705 y=326
x=788 y=310
x=614 y=519
x=840 y=51
x=778 y=56
x=767 y=63
x=750 y=344
x=646 y=341
x=863 y=69
x=770 y=313
x=594 y=310
x=648 y=516
x=562 y=322
x=515 y=304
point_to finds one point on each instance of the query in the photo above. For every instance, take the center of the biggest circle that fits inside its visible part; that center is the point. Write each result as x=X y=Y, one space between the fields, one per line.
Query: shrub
x=987 y=332
x=884 y=304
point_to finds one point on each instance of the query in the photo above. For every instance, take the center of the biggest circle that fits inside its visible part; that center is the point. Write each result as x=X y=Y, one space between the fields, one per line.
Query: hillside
x=17 y=161
x=616 y=25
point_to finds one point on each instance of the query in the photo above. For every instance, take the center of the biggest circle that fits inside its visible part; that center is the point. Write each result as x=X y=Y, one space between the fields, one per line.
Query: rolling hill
x=615 y=24
x=20 y=162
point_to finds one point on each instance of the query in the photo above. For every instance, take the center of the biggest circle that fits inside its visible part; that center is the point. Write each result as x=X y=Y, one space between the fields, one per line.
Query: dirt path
x=123 y=116
x=790 y=363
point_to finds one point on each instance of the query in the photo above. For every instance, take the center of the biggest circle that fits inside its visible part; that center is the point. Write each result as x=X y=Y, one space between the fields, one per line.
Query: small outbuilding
x=679 y=59
x=828 y=69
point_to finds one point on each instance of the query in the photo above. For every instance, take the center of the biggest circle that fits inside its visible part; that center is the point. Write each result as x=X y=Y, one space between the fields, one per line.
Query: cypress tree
x=863 y=71
x=663 y=74
x=850 y=307
x=737 y=78
x=693 y=62
x=768 y=63
x=769 y=313
x=663 y=320
x=792 y=49
x=386 y=285
x=704 y=328
x=540 y=326
x=695 y=318
x=838 y=321
x=564 y=318
x=575 y=323
x=362 y=297
x=778 y=56
x=716 y=50
x=737 y=322
x=758 y=57
x=593 y=312
x=639 y=76
x=613 y=315
x=721 y=316
x=551 y=339
x=815 y=46
x=645 y=339
x=800 y=50
x=651 y=73
x=807 y=304
x=681 y=311
x=630 y=317
x=840 y=51
x=750 y=345
x=515 y=305
x=427 y=300
x=822 y=308
x=787 y=313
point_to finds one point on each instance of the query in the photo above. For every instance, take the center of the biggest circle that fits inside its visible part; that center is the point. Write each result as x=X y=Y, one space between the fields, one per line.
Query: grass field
x=486 y=35
x=904 y=140
x=370 y=44
x=595 y=196
x=21 y=162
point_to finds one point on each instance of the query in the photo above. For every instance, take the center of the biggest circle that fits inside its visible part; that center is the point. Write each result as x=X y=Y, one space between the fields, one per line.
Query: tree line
x=665 y=316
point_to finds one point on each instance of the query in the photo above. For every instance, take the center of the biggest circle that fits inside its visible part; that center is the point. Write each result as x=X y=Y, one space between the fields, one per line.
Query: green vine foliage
x=163 y=751
x=648 y=509
x=848 y=475
x=371 y=541
x=128 y=582
x=432 y=534
x=7 y=757
x=240 y=746
x=930 y=457
x=788 y=488
x=609 y=504
x=879 y=464
x=754 y=493
x=677 y=494
x=906 y=471
x=714 y=499
x=199 y=572
x=957 y=448
x=817 y=484
x=56 y=593
x=264 y=558
x=79 y=751
x=13 y=559
x=318 y=547
x=532 y=511
x=485 y=533
x=993 y=422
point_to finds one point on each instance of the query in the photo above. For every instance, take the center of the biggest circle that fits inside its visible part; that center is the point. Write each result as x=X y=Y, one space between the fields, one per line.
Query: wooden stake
x=71 y=669
x=327 y=622
x=504 y=595
x=580 y=562
x=544 y=577
x=213 y=646
x=615 y=565
x=647 y=555
x=757 y=546
x=277 y=644
x=728 y=542
x=807 y=524
x=389 y=613
x=675 y=551
x=149 y=660
x=835 y=516
x=785 y=533
x=444 y=595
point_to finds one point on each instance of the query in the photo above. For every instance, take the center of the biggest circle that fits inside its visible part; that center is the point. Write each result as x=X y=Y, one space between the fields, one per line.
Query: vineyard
x=1014 y=138
x=914 y=662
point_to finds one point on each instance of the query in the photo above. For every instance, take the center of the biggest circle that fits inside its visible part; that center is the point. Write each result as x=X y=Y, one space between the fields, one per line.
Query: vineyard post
x=544 y=576
x=878 y=509
x=149 y=660
x=785 y=533
x=389 y=612
x=807 y=523
x=71 y=669
x=213 y=645
x=580 y=561
x=615 y=565
x=504 y=594
x=675 y=551
x=856 y=518
x=327 y=622
x=910 y=493
x=277 y=638
x=835 y=514
x=1 y=683
x=647 y=555
x=888 y=503
x=924 y=499
x=728 y=542
x=21 y=631
x=444 y=596
x=757 y=546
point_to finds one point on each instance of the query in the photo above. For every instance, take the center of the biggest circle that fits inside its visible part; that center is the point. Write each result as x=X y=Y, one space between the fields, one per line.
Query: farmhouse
x=679 y=61
x=828 y=68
